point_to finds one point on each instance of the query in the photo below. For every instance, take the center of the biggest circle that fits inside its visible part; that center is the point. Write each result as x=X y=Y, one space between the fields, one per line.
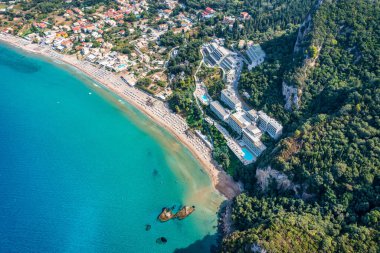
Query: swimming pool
x=205 y=98
x=247 y=154
x=121 y=66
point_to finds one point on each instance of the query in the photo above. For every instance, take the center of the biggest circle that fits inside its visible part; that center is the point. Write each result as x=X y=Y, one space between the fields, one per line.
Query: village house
x=245 y=16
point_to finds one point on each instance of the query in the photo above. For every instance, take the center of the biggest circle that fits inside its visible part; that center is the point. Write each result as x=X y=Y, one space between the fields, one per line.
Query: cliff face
x=291 y=96
x=292 y=87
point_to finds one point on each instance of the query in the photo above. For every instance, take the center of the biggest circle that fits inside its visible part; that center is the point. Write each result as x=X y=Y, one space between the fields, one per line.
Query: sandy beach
x=152 y=107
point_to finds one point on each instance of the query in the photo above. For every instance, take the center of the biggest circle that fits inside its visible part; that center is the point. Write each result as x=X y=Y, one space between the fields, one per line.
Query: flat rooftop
x=231 y=96
x=223 y=111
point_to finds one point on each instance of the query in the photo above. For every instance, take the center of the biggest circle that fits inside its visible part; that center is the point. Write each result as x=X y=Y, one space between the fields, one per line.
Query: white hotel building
x=238 y=121
x=253 y=142
x=256 y=55
x=219 y=110
x=218 y=55
x=230 y=99
x=269 y=125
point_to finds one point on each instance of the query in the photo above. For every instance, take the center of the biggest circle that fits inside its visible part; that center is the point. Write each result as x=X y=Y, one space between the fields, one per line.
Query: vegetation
x=264 y=83
x=332 y=149
x=212 y=78
x=181 y=68
x=267 y=15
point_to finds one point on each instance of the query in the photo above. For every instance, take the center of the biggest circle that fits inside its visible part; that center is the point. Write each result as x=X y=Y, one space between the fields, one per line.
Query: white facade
x=221 y=56
x=238 y=121
x=253 y=130
x=230 y=99
x=256 y=55
x=269 y=125
x=253 y=115
x=253 y=143
x=219 y=110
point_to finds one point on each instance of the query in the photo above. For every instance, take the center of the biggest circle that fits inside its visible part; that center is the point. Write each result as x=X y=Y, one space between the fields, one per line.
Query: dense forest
x=331 y=152
x=266 y=15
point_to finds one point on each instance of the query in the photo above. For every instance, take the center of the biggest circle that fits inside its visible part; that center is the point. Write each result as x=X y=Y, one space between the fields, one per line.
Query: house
x=163 y=27
x=76 y=29
x=241 y=44
x=67 y=44
x=210 y=10
x=168 y=11
x=40 y=25
x=118 y=16
x=65 y=28
x=208 y=13
x=78 y=11
x=228 y=20
x=245 y=16
x=111 y=22
x=61 y=34
x=88 y=28
x=69 y=12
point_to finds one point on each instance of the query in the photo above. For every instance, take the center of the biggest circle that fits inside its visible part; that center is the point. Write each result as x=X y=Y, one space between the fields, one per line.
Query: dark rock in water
x=147 y=227
x=155 y=172
x=161 y=240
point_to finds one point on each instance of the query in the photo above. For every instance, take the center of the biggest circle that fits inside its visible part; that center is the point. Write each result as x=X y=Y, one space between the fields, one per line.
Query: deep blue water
x=81 y=173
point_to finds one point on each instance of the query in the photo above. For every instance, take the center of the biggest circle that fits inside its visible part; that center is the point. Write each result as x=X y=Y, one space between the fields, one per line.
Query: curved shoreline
x=159 y=113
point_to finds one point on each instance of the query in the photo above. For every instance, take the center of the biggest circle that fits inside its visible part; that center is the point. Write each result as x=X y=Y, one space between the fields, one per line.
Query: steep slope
x=333 y=154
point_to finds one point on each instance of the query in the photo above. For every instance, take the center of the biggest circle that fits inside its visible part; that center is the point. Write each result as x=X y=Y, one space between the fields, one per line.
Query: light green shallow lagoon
x=81 y=171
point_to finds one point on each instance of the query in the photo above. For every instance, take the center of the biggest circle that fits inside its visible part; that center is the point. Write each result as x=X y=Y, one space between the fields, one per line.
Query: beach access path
x=152 y=107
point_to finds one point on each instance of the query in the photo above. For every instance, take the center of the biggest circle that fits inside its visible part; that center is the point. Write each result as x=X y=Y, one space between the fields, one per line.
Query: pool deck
x=233 y=144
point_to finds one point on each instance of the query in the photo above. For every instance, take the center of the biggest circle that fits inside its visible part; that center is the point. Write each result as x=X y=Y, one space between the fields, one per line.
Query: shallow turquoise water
x=81 y=172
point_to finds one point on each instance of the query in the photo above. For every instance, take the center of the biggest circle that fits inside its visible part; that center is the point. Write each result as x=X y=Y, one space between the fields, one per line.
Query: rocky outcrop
x=291 y=90
x=305 y=28
x=255 y=248
x=291 y=96
x=264 y=177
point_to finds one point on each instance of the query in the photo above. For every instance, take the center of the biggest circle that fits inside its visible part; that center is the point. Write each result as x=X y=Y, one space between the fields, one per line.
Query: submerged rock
x=161 y=240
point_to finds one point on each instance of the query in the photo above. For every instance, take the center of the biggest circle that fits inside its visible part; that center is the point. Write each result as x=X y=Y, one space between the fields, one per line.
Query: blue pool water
x=247 y=154
x=205 y=98
x=81 y=172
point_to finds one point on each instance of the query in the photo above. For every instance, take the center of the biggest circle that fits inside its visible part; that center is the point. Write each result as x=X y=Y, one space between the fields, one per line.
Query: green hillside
x=331 y=152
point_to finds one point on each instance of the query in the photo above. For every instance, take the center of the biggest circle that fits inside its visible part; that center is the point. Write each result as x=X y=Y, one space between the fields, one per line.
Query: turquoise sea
x=82 y=171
